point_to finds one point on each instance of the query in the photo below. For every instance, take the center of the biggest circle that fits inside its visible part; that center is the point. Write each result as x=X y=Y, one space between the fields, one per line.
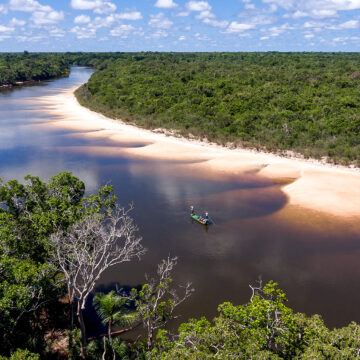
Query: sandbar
x=312 y=184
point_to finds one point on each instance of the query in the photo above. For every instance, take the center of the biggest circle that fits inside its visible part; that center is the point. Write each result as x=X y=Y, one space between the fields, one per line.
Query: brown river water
x=315 y=258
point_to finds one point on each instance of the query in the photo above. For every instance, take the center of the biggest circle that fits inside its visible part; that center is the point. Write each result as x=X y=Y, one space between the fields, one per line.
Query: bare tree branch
x=157 y=301
x=91 y=246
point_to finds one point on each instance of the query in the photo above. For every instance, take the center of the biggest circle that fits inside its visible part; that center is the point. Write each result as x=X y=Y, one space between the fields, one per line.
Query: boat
x=200 y=219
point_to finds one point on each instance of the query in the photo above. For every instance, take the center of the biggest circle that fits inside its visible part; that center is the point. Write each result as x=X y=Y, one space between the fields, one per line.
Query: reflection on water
x=253 y=235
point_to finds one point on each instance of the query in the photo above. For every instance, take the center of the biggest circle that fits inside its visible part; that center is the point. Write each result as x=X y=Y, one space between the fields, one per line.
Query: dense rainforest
x=305 y=102
x=23 y=67
x=54 y=241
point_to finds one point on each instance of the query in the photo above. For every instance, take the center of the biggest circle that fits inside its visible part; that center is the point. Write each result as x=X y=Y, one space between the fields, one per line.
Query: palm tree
x=112 y=310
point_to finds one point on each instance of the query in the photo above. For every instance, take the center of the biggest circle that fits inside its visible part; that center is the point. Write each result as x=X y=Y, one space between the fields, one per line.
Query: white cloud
x=278 y=30
x=309 y=36
x=84 y=32
x=42 y=17
x=323 y=13
x=158 y=34
x=130 y=15
x=6 y=29
x=183 y=13
x=198 y=6
x=249 y=6
x=160 y=21
x=313 y=24
x=216 y=23
x=182 y=38
x=202 y=37
x=41 y=14
x=17 y=22
x=82 y=19
x=236 y=27
x=316 y=8
x=28 y=6
x=100 y=22
x=3 y=9
x=122 y=31
x=264 y=38
x=260 y=20
x=346 y=38
x=273 y=8
x=31 y=38
x=85 y=4
x=297 y=14
x=55 y=32
x=105 y=8
x=258 y=16
x=205 y=14
x=166 y=4
x=351 y=24
x=98 y=6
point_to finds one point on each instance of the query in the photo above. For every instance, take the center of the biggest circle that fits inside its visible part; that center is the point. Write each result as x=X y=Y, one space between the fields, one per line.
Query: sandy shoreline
x=326 y=188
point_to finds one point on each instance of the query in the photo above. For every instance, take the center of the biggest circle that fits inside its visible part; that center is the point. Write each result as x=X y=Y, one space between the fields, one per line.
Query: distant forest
x=303 y=102
x=25 y=67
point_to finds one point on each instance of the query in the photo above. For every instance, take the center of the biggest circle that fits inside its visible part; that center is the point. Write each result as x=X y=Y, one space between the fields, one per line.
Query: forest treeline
x=305 y=102
x=55 y=244
x=26 y=67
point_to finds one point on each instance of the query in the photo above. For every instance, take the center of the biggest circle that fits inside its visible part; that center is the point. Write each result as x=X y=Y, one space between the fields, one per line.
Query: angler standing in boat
x=192 y=212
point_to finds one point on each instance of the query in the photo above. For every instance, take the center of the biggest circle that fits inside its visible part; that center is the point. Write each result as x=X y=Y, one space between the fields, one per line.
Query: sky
x=176 y=25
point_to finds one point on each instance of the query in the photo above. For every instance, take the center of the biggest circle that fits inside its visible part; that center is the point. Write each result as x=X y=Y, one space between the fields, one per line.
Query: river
x=314 y=258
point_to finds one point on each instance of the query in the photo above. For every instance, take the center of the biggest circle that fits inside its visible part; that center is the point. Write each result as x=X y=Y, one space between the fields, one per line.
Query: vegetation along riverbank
x=23 y=68
x=304 y=102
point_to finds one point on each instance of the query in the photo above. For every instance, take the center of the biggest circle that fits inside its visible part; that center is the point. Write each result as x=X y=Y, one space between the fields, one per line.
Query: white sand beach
x=321 y=187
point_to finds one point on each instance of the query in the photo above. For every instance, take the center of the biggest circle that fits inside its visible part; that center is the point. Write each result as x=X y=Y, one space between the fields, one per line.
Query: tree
x=89 y=247
x=29 y=213
x=112 y=310
x=156 y=301
x=262 y=329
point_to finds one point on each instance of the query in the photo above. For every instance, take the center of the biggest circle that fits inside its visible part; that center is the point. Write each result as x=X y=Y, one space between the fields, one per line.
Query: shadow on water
x=252 y=234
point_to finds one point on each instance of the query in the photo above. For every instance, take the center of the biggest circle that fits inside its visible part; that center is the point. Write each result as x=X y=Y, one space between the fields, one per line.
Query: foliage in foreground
x=264 y=328
x=306 y=102
x=31 y=285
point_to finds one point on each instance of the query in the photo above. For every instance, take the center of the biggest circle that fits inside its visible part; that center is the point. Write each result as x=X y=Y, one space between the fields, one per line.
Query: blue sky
x=176 y=25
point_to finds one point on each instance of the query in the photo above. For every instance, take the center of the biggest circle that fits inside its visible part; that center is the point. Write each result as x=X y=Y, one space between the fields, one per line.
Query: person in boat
x=192 y=211
x=206 y=215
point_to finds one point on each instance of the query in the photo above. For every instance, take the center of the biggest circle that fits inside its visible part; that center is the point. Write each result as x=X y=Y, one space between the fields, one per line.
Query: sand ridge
x=322 y=187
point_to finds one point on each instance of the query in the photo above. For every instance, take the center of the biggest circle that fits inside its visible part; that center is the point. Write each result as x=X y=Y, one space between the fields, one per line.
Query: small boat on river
x=200 y=219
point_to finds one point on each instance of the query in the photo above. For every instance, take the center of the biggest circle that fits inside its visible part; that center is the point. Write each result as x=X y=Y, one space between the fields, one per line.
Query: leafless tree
x=156 y=301
x=91 y=246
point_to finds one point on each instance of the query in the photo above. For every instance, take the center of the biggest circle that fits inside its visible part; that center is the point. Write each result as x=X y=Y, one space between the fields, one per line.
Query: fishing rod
x=212 y=221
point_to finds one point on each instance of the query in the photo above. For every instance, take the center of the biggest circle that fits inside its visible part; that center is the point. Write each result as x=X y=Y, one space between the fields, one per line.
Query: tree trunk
x=109 y=330
x=115 y=333
x=71 y=307
x=109 y=335
x=83 y=331
x=150 y=337
x=104 y=353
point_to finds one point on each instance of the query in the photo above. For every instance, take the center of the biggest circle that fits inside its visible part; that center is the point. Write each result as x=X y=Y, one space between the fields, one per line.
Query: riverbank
x=31 y=82
x=20 y=83
x=309 y=184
